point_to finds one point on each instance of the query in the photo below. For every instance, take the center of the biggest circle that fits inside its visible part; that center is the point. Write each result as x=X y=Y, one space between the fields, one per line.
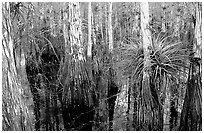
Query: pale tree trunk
x=150 y=113
x=97 y=21
x=198 y=67
x=65 y=29
x=77 y=92
x=110 y=42
x=89 y=31
x=75 y=28
x=93 y=29
x=198 y=32
x=72 y=30
x=106 y=22
x=112 y=87
x=177 y=24
x=101 y=20
x=14 y=108
x=164 y=17
x=136 y=25
x=110 y=31
x=146 y=92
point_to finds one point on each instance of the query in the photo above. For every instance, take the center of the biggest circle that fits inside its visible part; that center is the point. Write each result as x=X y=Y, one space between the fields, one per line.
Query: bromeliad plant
x=168 y=58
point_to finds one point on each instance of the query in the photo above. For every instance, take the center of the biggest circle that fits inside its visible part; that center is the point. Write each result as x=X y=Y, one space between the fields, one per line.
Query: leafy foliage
x=167 y=57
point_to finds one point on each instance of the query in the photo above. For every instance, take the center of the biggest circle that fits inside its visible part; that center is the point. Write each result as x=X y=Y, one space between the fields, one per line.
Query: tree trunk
x=112 y=87
x=110 y=30
x=137 y=86
x=78 y=91
x=89 y=52
x=129 y=103
x=72 y=30
x=178 y=24
x=191 y=115
x=101 y=20
x=105 y=24
x=147 y=101
x=14 y=108
x=163 y=28
x=198 y=31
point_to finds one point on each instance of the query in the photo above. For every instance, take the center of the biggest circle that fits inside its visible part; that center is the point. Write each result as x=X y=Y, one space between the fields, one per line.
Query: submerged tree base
x=191 y=116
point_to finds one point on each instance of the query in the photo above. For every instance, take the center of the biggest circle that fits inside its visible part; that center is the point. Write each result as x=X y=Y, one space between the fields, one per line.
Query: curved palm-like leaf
x=170 y=57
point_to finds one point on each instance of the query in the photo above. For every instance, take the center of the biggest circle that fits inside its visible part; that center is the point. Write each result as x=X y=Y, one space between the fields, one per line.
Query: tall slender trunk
x=89 y=54
x=147 y=100
x=110 y=29
x=136 y=86
x=101 y=20
x=106 y=22
x=14 y=108
x=112 y=87
x=129 y=103
x=164 y=17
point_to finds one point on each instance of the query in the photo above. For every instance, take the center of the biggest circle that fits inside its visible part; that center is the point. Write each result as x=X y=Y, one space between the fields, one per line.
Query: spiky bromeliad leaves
x=167 y=58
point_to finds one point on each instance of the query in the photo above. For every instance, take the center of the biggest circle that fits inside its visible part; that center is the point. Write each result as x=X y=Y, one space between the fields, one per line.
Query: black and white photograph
x=101 y=66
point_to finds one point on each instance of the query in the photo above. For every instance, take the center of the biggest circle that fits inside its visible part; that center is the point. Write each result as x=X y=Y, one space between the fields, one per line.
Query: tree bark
x=78 y=91
x=110 y=29
x=89 y=54
x=14 y=108
x=129 y=103
x=198 y=31
x=146 y=91
x=112 y=87
x=191 y=115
